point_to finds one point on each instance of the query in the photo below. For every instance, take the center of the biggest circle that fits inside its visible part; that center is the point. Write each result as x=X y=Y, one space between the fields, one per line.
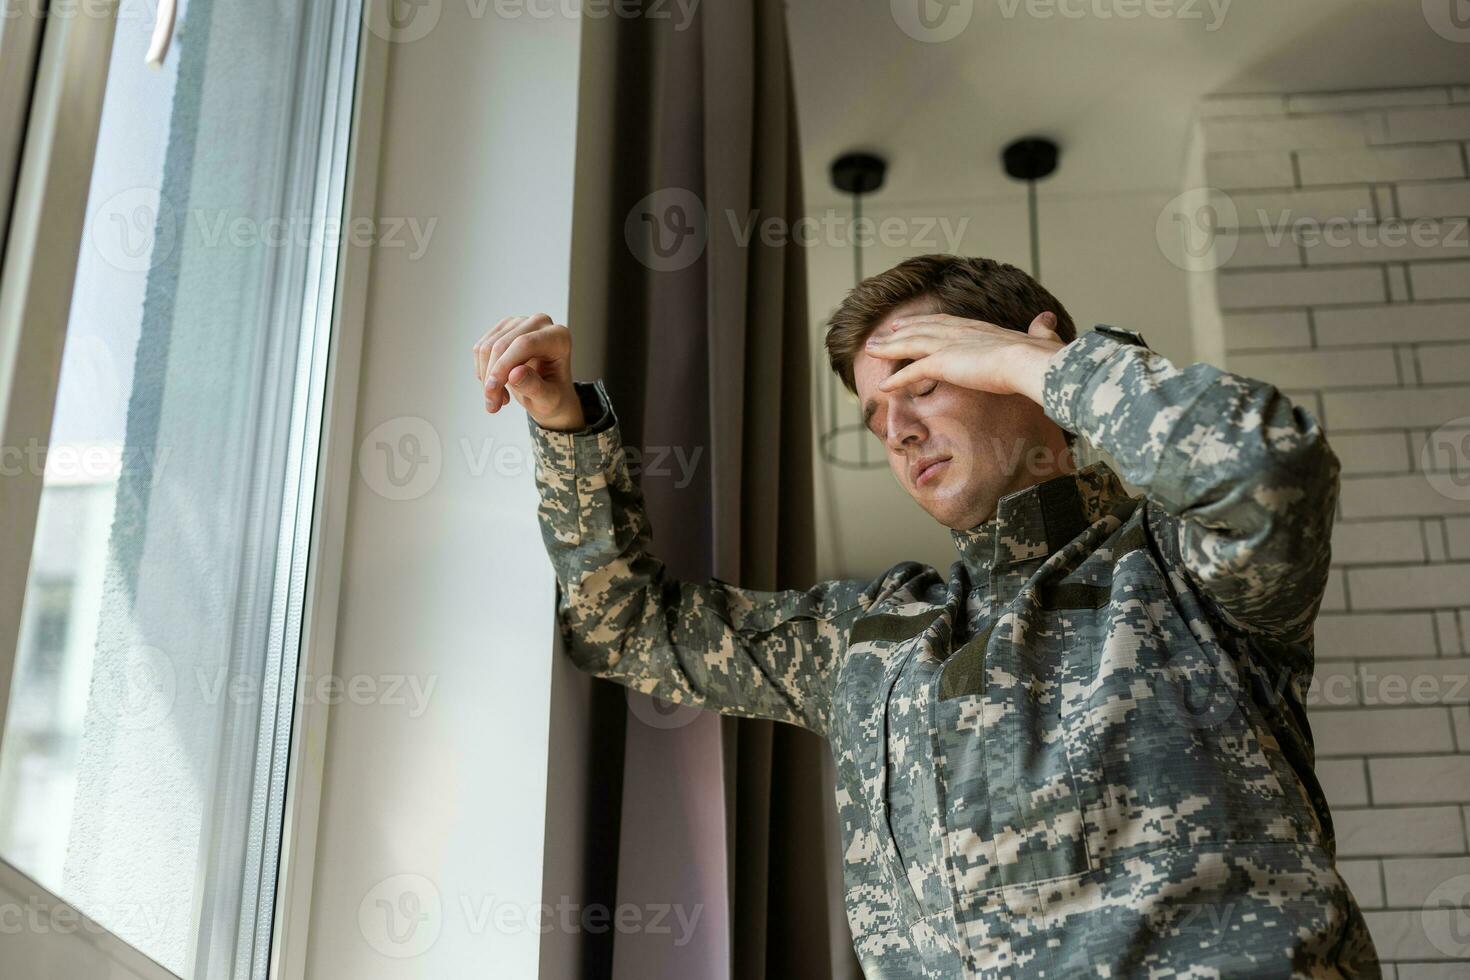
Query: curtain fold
x=708 y=356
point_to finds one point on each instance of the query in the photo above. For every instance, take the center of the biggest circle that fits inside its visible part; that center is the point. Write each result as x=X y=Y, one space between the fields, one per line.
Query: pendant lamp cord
x=1035 y=235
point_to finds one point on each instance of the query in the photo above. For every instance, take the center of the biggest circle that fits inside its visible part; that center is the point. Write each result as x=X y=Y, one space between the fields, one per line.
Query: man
x=1084 y=751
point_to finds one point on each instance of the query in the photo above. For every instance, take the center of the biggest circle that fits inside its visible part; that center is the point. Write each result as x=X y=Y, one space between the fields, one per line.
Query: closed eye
x=872 y=419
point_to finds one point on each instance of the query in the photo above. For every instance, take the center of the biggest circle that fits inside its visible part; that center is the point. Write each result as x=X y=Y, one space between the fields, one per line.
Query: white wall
x=1373 y=335
x=430 y=845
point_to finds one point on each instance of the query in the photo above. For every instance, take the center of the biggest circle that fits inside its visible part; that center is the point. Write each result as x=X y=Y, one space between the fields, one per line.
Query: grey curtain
x=708 y=354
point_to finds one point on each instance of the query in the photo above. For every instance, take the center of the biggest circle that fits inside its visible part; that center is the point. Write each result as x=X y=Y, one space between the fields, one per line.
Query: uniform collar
x=1036 y=521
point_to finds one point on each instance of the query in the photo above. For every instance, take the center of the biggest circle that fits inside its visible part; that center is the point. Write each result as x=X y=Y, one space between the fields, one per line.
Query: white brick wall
x=1349 y=288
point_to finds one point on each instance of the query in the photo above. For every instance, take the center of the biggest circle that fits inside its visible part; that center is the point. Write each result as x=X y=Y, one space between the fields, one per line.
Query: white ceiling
x=1104 y=87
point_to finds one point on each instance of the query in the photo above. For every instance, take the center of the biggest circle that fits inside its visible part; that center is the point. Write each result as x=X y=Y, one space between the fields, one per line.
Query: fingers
x=943 y=323
x=935 y=320
x=920 y=370
x=526 y=385
x=504 y=338
x=909 y=344
x=519 y=349
x=483 y=345
x=492 y=348
x=523 y=349
x=481 y=349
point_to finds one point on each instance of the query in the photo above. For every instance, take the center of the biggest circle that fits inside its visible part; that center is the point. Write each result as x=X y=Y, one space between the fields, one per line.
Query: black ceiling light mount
x=858 y=173
x=845 y=444
x=1031 y=159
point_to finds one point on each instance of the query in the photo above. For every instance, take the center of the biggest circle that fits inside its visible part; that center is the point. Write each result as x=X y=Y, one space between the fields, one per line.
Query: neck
x=1063 y=461
x=1035 y=521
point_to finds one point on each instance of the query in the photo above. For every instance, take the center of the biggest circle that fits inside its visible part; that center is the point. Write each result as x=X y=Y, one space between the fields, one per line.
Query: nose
x=904 y=425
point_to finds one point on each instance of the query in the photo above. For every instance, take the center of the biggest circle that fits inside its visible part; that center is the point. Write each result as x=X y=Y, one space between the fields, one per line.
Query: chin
x=945 y=512
x=954 y=510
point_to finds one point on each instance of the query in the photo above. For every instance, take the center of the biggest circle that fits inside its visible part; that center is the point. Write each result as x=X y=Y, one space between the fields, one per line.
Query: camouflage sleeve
x=737 y=651
x=1246 y=479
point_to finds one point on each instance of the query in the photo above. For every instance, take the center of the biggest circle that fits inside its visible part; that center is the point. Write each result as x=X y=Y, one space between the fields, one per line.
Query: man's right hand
x=529 y=358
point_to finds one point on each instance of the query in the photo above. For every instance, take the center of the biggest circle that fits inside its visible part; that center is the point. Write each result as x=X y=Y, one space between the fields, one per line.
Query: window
x=143 y=760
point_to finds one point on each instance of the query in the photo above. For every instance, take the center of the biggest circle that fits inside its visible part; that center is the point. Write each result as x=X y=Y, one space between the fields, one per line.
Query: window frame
x=38 y=269
x=20 y=34
x=335 y=464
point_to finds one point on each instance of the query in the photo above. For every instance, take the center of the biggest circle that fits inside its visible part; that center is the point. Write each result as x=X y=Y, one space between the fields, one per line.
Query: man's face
x=956 y=451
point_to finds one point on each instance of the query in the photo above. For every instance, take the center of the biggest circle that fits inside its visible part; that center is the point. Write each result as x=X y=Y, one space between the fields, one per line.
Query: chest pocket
x=1157 y=714
x=1008 y=780
x=880 y=898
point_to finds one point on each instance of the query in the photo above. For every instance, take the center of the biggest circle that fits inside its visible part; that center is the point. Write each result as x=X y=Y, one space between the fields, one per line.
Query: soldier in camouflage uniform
x=1081 y=752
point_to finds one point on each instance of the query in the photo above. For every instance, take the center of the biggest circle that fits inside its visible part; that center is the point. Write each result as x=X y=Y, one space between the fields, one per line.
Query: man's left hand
x=968 y=353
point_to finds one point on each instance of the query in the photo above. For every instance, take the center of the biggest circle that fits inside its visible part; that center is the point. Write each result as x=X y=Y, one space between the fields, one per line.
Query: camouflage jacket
x=1084 y=751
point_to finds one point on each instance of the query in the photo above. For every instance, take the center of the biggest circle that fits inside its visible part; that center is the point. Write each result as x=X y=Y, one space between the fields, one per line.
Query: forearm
x=1250 y=476
x=710 y=644
x=1188 y=437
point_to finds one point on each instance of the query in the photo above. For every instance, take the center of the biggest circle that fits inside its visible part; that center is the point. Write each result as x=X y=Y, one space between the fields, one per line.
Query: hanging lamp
x=842 y=443
x=1031 y=159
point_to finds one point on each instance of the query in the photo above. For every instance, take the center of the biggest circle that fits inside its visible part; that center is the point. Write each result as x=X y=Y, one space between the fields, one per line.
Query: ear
x=1043 y=326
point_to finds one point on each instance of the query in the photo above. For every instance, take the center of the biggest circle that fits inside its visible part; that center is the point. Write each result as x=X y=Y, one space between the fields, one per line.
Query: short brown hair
x=975 y=288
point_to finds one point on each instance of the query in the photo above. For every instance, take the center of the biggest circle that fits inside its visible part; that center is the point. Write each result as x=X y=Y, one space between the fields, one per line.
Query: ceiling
x=1103 y=86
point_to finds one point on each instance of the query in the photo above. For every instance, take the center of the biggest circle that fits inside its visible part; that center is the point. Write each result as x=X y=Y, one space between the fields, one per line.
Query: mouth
x=928 y=470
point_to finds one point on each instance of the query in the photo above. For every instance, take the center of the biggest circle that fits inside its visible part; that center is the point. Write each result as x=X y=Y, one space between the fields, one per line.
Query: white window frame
x=337 y=459
x=42 y=244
